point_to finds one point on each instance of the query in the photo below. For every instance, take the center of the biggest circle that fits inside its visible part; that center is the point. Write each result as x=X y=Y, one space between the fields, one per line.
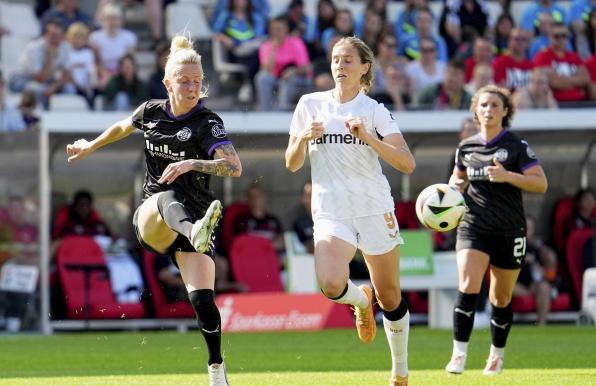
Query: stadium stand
x=86 y=283
x=575 y=249
x=562 y=214
x=253 y=262
x=68 y=102
x=186 y=17
x=154 y=291
x=230 y=217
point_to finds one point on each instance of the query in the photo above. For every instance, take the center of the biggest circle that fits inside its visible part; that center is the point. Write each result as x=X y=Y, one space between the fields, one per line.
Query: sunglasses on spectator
x=428 y=49
x=560 y=36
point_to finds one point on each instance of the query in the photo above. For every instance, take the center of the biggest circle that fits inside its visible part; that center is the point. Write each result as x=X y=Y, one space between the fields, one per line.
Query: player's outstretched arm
x=82 y=148
x=226 y=163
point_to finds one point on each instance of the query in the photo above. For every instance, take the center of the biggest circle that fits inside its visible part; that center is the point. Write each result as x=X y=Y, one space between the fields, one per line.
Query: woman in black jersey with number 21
x=491 y=169
x=185 y=143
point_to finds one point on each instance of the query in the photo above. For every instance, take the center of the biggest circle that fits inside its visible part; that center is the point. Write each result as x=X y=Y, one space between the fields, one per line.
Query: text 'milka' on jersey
x=169 y=139
x=494 y=207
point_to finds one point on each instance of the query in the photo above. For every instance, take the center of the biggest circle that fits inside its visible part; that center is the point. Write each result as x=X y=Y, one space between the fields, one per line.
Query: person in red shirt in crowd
x=481 y=53
x=512 y=69
x=259 y=221
x=79 y=218
x=567 y=73
x=584 y=212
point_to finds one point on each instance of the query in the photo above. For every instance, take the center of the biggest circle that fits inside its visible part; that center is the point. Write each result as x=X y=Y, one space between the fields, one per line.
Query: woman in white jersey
x=345 y=132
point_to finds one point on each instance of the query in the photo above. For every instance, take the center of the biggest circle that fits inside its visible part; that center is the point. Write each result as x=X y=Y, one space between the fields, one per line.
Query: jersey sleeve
x=459 y=163
x=384 y=121
x=136 y=119
x=299 y=119
x=213 y=135
x=526 y=158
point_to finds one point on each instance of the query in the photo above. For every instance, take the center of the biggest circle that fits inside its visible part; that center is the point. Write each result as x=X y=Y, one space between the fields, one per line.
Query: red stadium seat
x=405 y=213
x=86 y=283
x=163 y=309
x=417 y=301
x=254 y=262
x=228 y=223
x=563 y=210
x=575 y=248
x=527 y=303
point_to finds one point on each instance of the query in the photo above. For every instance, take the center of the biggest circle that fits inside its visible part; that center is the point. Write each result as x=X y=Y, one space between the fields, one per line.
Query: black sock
x=398 y=313
x=500 y=324
x=174 y=213
x=463 y=316
x=209 y=319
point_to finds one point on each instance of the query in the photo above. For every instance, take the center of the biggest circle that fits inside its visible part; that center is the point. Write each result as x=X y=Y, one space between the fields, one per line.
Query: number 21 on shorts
x=519 y=248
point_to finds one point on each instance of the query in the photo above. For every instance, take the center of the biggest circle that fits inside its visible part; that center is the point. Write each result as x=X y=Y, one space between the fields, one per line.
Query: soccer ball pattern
x=440 y=207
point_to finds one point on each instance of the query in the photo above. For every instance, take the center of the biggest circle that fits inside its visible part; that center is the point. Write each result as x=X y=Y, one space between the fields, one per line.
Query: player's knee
x=388 y=298
x=469 y=285
x=332 y=288
x=500 y=300
x=203 y=302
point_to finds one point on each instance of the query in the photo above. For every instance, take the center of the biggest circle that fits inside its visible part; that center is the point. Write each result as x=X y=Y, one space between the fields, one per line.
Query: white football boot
x=494 y=365
x=203 y=228
x=217 y=374
x=457 y=363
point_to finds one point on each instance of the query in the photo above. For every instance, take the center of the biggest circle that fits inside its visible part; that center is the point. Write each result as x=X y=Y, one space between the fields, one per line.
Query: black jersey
x=494 y=207
x=168 y=139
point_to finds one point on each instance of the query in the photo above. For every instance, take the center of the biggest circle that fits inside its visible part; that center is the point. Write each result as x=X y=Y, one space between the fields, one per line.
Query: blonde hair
x=366 y=56
x=182 y=52
x=505 y=96
x=77 y=29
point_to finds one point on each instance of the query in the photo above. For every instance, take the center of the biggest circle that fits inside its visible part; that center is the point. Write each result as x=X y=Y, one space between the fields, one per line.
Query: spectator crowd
x=426 y=56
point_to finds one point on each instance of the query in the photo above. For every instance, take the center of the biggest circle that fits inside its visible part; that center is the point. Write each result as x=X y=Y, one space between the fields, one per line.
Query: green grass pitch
x=553 y=355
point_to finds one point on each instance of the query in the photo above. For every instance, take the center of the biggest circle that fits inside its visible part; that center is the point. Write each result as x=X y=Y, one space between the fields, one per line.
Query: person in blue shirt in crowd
x=542 y=40
x=410 y=44
x=259 y=6
x=68 y=12
x=406 y=20
x=531 y=15
x=241 y=29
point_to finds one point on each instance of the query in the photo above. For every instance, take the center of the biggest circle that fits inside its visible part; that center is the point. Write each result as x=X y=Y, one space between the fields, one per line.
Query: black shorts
x=507 y=252
x=180 y=244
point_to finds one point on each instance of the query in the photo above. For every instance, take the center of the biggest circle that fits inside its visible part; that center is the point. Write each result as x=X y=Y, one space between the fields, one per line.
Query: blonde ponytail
x=182 y=52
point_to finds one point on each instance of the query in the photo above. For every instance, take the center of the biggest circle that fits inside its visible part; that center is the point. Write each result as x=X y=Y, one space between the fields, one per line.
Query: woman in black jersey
x=185 y=143
x=491 y=169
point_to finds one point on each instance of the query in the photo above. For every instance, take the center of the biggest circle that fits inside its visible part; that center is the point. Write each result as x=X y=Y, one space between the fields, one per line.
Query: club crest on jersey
x=529 y=150
x=184 y=134
x=501 y=155
x=218 y=131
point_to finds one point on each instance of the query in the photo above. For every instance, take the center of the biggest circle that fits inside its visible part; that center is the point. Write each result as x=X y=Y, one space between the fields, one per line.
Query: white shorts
x=373 y=235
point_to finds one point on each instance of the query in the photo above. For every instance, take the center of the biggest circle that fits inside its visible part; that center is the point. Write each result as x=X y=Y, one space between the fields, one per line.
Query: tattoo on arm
x=224 y=164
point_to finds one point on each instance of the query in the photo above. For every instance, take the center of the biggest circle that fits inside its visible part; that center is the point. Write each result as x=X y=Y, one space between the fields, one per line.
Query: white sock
x=497 y=352
x=460 y=347
x=354 y=296
x=397 y=332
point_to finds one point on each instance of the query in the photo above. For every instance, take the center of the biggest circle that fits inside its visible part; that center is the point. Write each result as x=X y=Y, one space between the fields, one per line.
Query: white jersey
x=347 y=179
